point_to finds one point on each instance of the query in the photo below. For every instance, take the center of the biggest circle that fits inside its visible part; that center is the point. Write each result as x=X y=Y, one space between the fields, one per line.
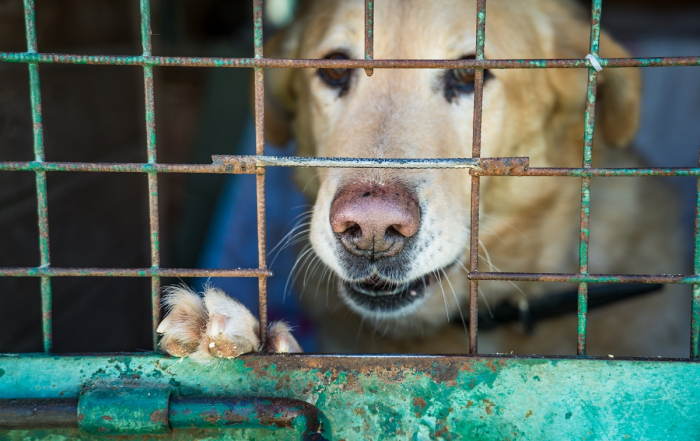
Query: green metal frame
x=380 y=397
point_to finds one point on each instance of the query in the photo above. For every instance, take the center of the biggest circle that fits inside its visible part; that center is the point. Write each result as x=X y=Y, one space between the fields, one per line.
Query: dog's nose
x=373 y=221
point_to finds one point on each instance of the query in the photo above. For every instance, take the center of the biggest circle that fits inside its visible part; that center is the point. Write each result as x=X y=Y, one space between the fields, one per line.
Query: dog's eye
x=338 y=78
x=463 y=78
x=461 y=81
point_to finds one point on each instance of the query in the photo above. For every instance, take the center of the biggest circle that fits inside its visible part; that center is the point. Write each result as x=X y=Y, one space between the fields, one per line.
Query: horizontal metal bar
x=589 y=278
x=133 y=272
x=500 y=166
x=226 y=166
x=140 y=60
x=35 y=413
x=113 y=167
x=183 y=413
x=612 y=172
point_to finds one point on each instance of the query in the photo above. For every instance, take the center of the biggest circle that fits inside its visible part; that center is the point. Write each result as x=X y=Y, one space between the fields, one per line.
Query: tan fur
x=527 y=224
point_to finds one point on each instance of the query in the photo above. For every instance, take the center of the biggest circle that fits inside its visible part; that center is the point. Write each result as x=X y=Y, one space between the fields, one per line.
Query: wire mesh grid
x=256 y=164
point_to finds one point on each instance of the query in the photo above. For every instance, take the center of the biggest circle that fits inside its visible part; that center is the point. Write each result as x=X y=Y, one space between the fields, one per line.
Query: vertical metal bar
x=260 y=177
x=369 y=34
x=41 y=191
x=584 y=231
x=695 y=308
x=475 y=180
x=152 y=176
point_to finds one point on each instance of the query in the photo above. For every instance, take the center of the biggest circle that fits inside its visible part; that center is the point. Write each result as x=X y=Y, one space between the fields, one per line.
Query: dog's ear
x=280 y=98
x=619 y=89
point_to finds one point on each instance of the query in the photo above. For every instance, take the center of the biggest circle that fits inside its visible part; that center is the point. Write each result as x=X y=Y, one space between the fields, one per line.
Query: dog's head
x=389 y=234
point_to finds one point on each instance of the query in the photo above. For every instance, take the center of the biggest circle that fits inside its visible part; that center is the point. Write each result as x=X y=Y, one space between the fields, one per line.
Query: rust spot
x=360 y=411
x=469 y=404
x=211 y=416
x=528 y=414
x=488 y=405
x=419 y=402
x=491 y=365
x=107 y=418
x=160 y=416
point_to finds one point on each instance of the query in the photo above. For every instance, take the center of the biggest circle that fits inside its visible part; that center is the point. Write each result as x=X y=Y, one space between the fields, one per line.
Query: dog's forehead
x=419 y=29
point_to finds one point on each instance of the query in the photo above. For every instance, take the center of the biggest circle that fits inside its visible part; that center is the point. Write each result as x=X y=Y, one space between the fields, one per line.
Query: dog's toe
x=281 y=340
x=182 y=328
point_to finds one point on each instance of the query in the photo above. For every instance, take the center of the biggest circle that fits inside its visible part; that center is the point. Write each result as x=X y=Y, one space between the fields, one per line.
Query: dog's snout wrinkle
x=373 y=221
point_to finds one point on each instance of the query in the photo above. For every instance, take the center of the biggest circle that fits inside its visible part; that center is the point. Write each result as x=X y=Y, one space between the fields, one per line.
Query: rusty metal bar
x=41 y=186
x=114 y=167
x=225 y=164
x=369 y=34
x=584 y=233
x=151 y=154
x=139 y=60
x=132 y=272
x=251 y=164
x=260 y=178
x=586 y=278
x=695 y=303
x=475 y=179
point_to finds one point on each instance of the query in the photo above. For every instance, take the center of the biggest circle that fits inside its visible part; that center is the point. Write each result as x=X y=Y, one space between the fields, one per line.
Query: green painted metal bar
x=139 y=60
x=151 y=157
x=41 y=186
x=695 y=305
x=369 y=34
x=400 y=397
x=588 y=278
x=133 y=272
x=584 y=233
x=475 y=181
x=260 y=177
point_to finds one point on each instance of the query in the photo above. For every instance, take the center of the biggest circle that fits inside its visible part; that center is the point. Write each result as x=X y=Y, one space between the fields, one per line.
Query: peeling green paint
x=400 y=397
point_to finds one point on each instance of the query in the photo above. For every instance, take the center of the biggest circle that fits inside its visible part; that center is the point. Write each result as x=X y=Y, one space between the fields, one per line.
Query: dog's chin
x=379 y=298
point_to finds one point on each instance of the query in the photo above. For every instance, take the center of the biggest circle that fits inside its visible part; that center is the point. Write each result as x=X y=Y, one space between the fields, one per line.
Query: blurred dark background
x=96 y=114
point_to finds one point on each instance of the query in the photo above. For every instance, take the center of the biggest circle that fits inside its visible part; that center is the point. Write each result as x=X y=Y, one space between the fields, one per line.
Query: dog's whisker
x=293 y=232
x=488 y=307
x=444 y=297
x=305 y=263
x=483 y=297
x=304 y=252
x=492 y=267
x=303 y=236
x=315 y=262
x=459 y=308
x=504 y=223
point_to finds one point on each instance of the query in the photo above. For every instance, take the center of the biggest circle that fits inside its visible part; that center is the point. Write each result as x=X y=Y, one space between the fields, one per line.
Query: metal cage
x=151 y=394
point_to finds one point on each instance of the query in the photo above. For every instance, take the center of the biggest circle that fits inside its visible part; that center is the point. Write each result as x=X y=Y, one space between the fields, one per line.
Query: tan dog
x=397 y=241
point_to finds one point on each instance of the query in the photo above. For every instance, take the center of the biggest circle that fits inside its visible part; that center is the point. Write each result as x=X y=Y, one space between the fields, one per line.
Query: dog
x=396 y=242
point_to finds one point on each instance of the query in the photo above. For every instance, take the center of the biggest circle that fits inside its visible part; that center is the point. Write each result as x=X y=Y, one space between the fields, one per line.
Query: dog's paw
x=215 y=326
